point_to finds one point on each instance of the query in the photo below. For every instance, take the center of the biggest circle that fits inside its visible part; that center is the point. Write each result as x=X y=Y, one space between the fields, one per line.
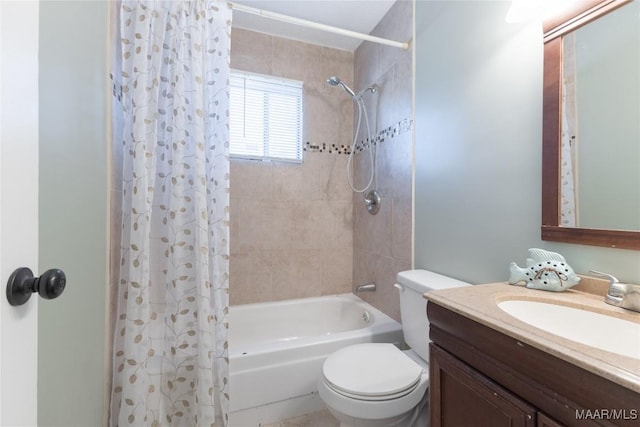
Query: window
x=265 y=118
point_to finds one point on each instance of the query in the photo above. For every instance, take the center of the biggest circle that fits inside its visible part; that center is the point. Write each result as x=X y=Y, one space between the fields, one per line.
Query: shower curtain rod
x=317 y=25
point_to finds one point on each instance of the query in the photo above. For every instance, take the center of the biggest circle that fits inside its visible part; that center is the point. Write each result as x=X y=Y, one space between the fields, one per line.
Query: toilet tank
x=413 y=307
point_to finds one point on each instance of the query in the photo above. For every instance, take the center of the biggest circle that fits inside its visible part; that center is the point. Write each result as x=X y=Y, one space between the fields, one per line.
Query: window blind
x=265 y=117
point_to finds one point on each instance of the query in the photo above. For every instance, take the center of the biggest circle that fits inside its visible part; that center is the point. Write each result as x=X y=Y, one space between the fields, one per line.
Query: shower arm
x=373 y=88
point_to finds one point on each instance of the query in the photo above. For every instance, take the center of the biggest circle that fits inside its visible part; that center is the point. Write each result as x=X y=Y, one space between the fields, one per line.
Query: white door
x=18 y=207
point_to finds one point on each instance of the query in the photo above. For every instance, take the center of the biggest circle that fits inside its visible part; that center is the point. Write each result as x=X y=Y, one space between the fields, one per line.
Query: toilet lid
x=371 y=371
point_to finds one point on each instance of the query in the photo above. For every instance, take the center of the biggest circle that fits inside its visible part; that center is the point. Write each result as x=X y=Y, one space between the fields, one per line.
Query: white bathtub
x=276 y=351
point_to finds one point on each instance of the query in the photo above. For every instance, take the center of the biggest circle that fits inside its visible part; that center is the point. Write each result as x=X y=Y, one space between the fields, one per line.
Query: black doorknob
x=22 y=284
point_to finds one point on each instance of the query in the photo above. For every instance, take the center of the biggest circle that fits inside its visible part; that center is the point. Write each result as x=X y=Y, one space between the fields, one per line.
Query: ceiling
x=355 y=15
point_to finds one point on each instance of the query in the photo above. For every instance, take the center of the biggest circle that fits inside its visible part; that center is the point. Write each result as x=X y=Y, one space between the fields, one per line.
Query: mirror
x=591 y=131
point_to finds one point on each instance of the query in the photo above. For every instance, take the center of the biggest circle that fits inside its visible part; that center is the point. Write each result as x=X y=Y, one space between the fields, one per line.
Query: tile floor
x=317 y=419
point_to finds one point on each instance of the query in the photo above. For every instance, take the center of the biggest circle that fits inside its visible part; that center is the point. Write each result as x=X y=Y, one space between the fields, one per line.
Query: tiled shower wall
x=292 y=224
x=382 y=242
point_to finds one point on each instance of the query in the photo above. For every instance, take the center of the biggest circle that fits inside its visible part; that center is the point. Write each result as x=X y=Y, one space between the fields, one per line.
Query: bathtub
x=276 y=351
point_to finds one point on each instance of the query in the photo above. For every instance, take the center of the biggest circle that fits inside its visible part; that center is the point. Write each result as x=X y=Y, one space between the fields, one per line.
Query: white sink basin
x=586 y=327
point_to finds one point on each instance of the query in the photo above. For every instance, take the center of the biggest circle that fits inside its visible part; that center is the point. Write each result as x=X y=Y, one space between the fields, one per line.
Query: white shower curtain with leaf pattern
x=170 y=364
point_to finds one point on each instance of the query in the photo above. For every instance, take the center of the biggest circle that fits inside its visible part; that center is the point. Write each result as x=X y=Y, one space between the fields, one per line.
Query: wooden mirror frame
x=582 y=13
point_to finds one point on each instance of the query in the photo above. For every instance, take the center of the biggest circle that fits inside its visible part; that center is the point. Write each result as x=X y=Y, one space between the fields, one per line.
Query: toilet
x=377 y=384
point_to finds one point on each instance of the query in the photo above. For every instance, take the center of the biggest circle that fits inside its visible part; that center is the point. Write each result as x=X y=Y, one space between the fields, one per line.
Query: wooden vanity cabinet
x=480 y=377
x=545 y=421
x=460 y=396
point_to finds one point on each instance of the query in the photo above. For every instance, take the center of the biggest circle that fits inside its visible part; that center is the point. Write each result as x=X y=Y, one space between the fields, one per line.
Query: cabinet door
x=460 y=396
x=545 y=421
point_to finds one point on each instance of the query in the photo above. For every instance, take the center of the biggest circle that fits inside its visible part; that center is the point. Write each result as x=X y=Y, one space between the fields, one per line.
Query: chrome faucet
x=623 y=295
x=366 y=287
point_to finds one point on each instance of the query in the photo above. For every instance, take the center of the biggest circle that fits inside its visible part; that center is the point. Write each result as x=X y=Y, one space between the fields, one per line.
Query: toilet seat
x=371 y=372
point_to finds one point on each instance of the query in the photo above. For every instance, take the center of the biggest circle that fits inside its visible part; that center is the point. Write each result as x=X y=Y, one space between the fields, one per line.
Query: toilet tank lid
x=423 y=280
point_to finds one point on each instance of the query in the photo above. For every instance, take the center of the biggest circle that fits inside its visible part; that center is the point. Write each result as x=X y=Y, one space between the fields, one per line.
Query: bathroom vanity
x=488 y=368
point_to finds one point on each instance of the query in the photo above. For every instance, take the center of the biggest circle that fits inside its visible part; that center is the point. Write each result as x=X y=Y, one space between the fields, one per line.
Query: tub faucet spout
x=369 y=287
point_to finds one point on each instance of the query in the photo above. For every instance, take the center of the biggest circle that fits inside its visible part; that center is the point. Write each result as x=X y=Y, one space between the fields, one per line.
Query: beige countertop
x=479 y=303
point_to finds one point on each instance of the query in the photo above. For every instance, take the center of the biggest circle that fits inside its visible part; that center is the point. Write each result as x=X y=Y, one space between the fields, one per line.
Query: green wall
x=478 y=146
x=73 y=210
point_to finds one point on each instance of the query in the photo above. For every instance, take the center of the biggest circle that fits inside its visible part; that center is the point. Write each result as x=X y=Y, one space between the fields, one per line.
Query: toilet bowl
x=377 y=384
x=373 y=384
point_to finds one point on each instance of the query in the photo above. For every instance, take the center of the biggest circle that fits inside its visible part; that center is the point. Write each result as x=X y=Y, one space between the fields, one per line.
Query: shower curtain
x=170 y=364
x=569 y=135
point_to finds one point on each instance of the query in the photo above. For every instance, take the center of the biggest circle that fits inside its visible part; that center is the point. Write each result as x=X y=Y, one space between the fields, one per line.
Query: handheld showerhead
x=362 y=111
x=335 y=81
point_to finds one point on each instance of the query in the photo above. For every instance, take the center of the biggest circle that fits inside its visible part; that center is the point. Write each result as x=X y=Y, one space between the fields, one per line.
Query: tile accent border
x=404 y=125
x=323 y=147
